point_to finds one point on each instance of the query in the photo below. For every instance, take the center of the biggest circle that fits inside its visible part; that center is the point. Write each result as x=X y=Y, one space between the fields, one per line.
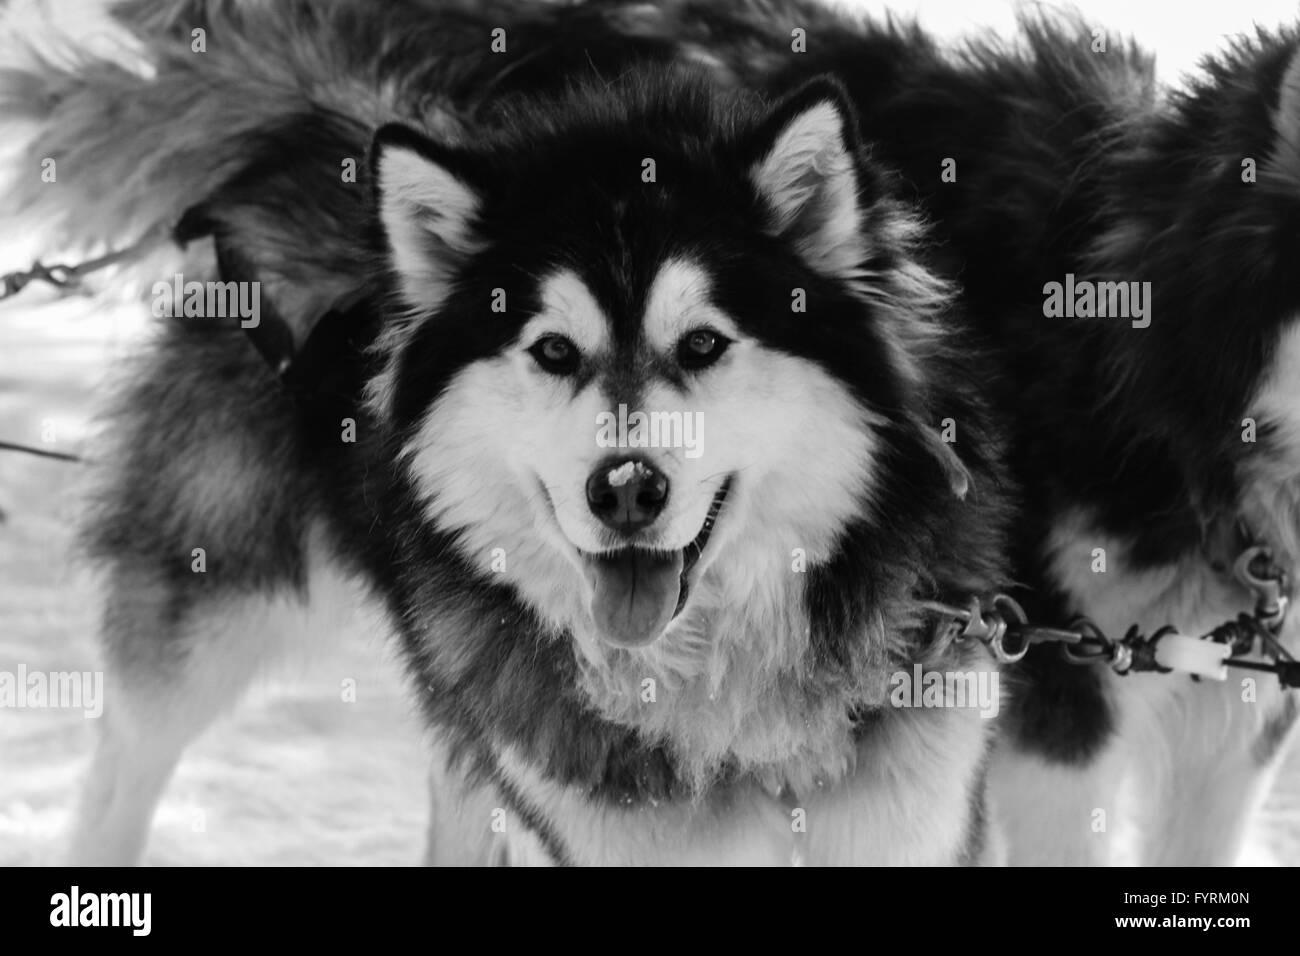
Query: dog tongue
x=635 y=595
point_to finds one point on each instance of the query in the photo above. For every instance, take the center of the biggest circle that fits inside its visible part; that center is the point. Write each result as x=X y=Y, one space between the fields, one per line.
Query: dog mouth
x=637 y=592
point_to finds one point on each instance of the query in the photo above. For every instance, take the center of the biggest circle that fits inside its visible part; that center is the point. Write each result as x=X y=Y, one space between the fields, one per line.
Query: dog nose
x=627 y=494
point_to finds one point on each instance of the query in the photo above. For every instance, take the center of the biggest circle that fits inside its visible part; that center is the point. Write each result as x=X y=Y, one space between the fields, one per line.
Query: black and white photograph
x=668 y=433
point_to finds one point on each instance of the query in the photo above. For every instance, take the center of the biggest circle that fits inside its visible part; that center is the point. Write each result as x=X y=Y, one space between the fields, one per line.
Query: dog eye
x=555 y=354
x=700 y=348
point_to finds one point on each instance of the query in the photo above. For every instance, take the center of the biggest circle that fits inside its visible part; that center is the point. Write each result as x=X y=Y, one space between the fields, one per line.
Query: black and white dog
x=626 y=414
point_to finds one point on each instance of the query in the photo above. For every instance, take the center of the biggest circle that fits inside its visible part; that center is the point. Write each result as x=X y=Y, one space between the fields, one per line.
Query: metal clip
x=992 y=627
x=1094 y=646
x=1255 y=569
x=975 y=625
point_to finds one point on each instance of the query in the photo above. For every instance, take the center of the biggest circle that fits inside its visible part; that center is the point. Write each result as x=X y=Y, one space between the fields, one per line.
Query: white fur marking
x=570 y=309
x=679 y=302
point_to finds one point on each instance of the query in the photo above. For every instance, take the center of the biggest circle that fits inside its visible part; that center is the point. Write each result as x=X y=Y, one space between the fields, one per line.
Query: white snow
x=620 y=476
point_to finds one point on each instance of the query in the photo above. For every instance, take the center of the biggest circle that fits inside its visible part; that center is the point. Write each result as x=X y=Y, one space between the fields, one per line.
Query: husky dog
x=1154 y=444
x=627 y=650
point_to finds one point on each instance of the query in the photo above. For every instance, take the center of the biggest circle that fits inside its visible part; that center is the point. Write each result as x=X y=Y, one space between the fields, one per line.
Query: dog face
x=646 y=344
x=645 y=453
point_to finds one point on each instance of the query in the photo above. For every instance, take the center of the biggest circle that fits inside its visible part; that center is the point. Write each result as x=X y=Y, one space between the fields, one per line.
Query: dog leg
x=168 y=680
x=1222 y=755
x=130 y=768
x=460 y=820
x=1056 y=814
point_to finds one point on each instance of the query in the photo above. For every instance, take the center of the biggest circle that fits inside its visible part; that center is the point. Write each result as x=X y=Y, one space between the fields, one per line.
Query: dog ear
x=805 y=171
x=426 y=207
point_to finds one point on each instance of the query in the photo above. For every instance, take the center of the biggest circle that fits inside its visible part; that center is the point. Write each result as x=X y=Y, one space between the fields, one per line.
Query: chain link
x=69 y=277
x=1004 y=627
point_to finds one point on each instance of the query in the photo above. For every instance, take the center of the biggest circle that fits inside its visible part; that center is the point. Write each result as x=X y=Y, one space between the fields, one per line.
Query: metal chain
x=1004 y=627
x=68 y=277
